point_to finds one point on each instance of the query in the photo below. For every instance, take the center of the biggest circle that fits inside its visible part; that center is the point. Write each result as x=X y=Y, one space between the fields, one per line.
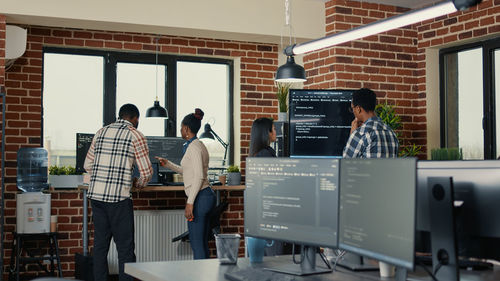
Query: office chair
x=214 y=221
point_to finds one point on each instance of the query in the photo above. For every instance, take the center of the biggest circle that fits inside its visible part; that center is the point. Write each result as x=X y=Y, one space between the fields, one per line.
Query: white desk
x=211 y=270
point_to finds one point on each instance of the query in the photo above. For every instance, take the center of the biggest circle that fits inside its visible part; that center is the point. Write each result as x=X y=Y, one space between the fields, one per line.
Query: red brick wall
x=384 y=63
x=2 y=50
x=393 y=63
x=477 y=23
x=24 y=91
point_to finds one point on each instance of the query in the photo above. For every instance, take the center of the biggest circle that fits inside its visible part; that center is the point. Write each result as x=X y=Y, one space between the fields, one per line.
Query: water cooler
x=33 y=206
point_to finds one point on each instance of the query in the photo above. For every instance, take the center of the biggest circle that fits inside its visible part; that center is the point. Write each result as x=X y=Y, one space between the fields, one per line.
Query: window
x=84 y=89
x=135 y=83
x=468 y=99
x=72 y=103
x=205 y=86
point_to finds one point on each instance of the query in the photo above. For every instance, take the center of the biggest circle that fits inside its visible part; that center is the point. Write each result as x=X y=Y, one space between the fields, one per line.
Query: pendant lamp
x=290 y=72
x=156 y=111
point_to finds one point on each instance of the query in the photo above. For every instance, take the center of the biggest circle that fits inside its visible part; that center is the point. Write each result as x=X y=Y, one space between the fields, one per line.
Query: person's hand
x=188 y=212
x=163 y=161
x=355 y=124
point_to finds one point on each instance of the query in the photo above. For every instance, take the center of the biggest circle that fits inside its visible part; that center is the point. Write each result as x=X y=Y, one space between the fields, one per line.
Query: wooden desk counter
x=178 y=188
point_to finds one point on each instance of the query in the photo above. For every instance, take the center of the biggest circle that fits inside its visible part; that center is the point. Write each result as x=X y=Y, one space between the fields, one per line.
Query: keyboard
x=257 y=274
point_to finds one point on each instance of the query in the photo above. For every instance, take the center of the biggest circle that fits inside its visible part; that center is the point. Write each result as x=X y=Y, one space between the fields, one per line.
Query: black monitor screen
x=294 y=200
x=320 y=122
x=377 y=209
x=476 y=187
x=83 y=142
x=166 y=147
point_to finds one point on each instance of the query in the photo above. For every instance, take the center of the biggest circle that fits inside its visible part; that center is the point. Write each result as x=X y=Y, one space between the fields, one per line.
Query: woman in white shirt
x=194 y=169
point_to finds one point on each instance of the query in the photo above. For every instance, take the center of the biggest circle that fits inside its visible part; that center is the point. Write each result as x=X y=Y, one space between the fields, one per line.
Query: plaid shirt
x=374 y=139
x=111 y=158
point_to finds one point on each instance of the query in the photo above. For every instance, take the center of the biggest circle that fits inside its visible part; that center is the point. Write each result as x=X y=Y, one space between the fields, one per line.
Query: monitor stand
x=307 y=265
x=356 y=263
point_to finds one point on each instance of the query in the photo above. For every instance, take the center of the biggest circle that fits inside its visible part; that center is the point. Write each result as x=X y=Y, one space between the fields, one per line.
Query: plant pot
x=282 y=116
x=234 y=178
x=65 y=181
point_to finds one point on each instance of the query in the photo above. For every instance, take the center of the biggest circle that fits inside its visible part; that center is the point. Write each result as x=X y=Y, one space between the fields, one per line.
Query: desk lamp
x=208 y=133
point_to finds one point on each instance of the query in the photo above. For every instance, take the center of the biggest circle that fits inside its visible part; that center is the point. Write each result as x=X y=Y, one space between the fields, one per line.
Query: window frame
x=488 y=48
x=112 y=58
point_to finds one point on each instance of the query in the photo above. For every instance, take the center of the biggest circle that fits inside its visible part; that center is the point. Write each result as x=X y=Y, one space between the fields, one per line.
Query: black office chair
x=214 y=221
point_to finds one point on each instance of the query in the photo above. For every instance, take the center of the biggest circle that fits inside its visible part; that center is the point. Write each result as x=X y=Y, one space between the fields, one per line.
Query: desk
x=211 y=270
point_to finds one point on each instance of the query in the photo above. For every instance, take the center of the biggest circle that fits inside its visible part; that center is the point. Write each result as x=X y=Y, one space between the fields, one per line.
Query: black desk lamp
x=210 y=134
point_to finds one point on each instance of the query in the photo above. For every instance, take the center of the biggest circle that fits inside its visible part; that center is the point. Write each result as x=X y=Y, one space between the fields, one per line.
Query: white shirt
x=194 y=169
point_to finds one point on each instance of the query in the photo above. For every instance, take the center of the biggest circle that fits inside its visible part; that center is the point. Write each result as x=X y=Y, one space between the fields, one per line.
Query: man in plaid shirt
x=370 y=137
x=110 y=159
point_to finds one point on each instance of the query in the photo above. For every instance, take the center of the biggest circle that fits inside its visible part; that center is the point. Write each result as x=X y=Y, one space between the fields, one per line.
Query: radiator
x=154 y=231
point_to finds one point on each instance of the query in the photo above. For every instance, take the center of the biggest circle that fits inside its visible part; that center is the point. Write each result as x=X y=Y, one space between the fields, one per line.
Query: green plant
x=452 y=153
x=282 y=95
x=63 y=170
x=388 y=115
x=233 y=169
x=411 y=150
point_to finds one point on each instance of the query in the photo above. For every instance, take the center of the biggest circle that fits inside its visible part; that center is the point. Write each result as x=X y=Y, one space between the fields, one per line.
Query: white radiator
x=154 y=231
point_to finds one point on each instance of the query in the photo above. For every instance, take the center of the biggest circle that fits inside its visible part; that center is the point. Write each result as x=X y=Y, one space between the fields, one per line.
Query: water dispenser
x=33 y=206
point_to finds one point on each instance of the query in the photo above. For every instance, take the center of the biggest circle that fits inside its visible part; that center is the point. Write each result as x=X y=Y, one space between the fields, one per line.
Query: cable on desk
x=427 y=270
x=339 y=254
x=301 y=254
x=325 y=260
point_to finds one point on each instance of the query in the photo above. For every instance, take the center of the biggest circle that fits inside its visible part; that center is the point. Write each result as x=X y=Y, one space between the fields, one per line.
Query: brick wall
x=384 y=63
x=24 y=90
x=393 y=63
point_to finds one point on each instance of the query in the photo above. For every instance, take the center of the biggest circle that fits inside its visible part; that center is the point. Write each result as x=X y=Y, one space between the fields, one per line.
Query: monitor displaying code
x=377 y=208
x=320 y=122
x=295 y=200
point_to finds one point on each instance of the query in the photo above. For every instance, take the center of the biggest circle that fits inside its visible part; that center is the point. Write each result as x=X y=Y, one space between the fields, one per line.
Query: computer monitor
x=377 y=209
x=293 y=200
x=166 y=147
x=476 y=192
x=320 y=122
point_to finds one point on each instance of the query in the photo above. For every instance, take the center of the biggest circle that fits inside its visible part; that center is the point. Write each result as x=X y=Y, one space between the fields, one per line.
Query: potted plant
x=64 y=177
x=388 y=115
x=233 y=176
x=282 y=94
x=451 y=153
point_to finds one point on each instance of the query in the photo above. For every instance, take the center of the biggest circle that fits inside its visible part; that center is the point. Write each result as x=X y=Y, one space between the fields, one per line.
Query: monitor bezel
x=301 y=242
x=290 y=139
x=370 y=253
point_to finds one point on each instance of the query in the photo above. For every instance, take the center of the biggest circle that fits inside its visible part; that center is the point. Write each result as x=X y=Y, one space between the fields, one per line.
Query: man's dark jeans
x=113 y=220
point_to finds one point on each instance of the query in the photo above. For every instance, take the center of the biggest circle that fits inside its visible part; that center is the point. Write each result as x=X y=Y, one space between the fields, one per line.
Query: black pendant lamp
x=290 y=72
x=156 y=111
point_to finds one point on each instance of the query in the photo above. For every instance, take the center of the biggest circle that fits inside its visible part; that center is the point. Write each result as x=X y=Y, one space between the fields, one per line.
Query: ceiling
x=404 y=3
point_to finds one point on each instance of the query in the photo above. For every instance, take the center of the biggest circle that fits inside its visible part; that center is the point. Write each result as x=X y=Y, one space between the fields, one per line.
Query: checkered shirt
x=110 y=159
x=374 y=139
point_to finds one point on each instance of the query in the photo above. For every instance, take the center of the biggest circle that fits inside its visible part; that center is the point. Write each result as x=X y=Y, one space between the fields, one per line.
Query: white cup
x=53 y=223
x=386 y=270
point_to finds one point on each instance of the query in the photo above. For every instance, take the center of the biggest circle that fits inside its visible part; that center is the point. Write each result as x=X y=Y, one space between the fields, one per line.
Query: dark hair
x=193 y=120
x=365 y=98
x=128 y=111
x=259 y=136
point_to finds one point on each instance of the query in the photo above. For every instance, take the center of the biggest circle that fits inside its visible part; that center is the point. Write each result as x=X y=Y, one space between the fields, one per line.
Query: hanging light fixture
x=411 y=17
x=290 y=72
x=156 y=110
